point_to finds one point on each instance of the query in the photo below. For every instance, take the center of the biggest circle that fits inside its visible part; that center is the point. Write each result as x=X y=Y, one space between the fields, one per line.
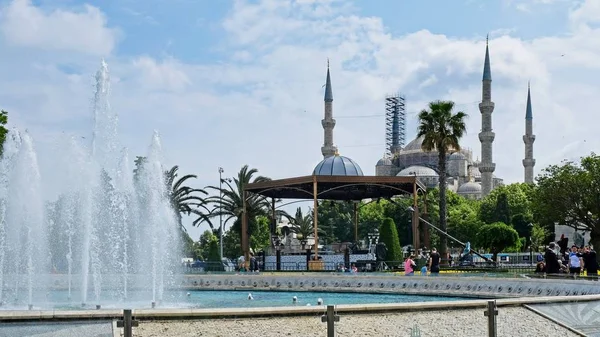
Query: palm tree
x=302 y=224
x=187 y=200
x=231 y=205
x=441 y=130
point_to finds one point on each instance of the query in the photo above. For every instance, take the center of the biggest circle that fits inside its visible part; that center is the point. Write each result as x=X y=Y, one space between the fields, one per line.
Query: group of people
x=254 y=265
x=433 y=264
x=573 y=262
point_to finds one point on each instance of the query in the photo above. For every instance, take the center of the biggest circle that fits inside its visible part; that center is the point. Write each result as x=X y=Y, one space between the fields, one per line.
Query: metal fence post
x=491 y=313
x=330 y=317
x=127 y=323
x=415 y=332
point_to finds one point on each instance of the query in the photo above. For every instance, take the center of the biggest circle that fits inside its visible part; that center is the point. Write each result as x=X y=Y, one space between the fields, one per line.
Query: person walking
x=590 y=262
x=552 y=264
x=575 y=262
x=409 y=266
x=434 y=262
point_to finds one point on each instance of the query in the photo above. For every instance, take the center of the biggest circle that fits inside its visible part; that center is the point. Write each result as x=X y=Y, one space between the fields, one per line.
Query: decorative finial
x=328 y=63
x=337 y=153
x=528 y=84
x=487 y=38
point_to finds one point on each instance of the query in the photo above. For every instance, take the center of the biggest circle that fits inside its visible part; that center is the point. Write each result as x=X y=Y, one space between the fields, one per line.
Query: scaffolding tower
x=395 y=123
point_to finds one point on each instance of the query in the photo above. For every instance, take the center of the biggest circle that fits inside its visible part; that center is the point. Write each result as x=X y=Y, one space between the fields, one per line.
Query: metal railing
x=502 y=269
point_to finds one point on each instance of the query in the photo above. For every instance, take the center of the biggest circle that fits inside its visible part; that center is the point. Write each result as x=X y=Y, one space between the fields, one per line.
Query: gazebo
x=335 y=185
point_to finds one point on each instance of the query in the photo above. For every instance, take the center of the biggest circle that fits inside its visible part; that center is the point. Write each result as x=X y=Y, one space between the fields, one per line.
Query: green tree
x=463 y=221
x=389 y=235
x=326 y=230
x=502 y=212
x=231 y=244
x=569 y=194
x=539 y=236
x=523 y=224
x=3 y=129
x=441 y=130
x=505 y=202
x=302 y=224
x=204 y=243
x=187 y=200
x=190 y=248
x=261 y=238
x=397 y=209
x=370 y=217
x=139 y=162
x=231 y=205
x=497 y=237
x=335 y=221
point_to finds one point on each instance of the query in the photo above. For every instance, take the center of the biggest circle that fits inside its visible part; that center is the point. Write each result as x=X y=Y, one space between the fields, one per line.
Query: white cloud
x=166 y=75
x=585 y=13
x=24 y=24
x=263 y=105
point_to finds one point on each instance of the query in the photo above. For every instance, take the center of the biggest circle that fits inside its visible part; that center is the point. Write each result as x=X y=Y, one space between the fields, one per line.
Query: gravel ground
x=514 y=321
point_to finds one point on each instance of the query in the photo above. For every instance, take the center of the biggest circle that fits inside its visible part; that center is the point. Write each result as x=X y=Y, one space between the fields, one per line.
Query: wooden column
x=355 y=222
x=316 y=215
x=274 y=221
x=426 y=227
x=245 y=246
x=415 y=218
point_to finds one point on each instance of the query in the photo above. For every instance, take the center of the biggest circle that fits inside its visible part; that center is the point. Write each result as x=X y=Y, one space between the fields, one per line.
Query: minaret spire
x=487 y=69
x=486 y=136
x=528 y=139
x=328 y=149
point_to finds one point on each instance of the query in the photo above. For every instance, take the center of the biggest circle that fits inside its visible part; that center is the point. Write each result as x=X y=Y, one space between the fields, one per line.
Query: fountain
x=106 y=232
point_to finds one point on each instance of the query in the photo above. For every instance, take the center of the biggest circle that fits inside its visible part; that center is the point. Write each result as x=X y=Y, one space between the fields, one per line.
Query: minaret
x=528 y=139
x=486 y=136
x=328 y=149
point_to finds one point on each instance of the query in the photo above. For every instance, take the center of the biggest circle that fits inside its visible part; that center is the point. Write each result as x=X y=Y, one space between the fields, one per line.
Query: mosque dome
x=470 y=187
x=385 y=161
x=419 y=171
x=337 y=166
x=415 y=144
x=457 y=156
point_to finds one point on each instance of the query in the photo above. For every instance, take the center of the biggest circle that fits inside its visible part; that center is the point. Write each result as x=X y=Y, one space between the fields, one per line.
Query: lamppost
x=530 y=225
x=220 y=213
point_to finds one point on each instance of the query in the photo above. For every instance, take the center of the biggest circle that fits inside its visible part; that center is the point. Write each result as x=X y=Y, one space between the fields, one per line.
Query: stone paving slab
x=57 y=329
x=582 y=316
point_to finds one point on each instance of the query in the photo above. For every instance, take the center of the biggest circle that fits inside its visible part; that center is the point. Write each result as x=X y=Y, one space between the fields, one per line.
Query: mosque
x=470 y=178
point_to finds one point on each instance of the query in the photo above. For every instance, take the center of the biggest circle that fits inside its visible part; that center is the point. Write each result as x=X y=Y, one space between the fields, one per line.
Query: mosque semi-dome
x=338 y=166
x=470 y=187
x=418 y=170
x=384 y=162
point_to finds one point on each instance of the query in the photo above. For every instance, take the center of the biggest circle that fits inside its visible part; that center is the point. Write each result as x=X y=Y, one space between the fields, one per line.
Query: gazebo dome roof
x=337 y=166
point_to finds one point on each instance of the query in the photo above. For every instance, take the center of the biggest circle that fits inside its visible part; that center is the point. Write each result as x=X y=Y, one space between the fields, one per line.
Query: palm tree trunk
x=442 y=187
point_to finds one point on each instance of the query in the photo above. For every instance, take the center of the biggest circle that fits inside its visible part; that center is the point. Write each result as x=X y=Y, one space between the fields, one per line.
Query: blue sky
x=229 y=83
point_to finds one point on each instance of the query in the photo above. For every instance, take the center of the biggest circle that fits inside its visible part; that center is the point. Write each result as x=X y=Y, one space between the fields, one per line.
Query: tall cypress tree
x=388 y=234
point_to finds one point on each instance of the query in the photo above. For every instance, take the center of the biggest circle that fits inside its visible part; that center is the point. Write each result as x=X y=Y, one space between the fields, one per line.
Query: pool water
x=59 y=300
